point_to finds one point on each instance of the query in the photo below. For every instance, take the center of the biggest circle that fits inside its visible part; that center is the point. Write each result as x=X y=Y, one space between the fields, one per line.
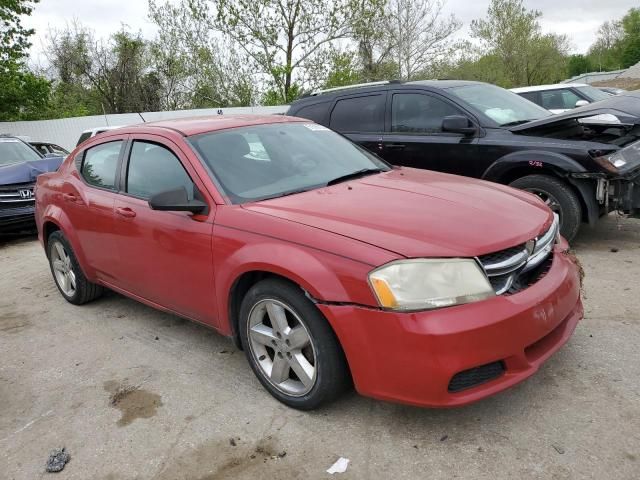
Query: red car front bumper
x=413 y=357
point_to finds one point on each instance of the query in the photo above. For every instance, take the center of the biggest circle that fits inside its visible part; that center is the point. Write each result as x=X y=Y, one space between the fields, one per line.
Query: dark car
x=581 y=167
x=46 y=148
x=20 y=164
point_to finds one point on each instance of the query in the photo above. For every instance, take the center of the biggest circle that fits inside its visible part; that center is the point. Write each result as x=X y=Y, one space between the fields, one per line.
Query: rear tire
x=290 y=346
x=66 y=271
x=559 y=196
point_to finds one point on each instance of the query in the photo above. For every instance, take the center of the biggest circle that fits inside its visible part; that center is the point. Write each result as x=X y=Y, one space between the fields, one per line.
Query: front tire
x=66 y=271
x=559 y=197
x=290 y=346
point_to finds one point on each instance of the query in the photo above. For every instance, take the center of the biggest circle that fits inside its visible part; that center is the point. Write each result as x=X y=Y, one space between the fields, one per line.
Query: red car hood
x=418 y=213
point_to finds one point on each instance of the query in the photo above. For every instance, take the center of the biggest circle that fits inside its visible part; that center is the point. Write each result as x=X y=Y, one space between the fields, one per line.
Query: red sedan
x=326 y=265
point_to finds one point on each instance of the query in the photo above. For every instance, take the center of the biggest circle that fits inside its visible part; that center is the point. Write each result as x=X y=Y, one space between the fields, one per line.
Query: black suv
x=583 y=164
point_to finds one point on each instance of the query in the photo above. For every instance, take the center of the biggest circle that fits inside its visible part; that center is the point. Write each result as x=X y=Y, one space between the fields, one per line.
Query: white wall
x=66 y=131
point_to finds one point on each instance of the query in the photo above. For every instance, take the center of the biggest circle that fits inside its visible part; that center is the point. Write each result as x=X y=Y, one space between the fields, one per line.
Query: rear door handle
x=396 y=146
x=125 y=212
x=69 y=197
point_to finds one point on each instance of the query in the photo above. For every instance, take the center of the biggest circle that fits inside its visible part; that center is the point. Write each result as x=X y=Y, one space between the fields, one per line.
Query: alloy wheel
x=551 y=201
x=282 y=348
x=62 y=269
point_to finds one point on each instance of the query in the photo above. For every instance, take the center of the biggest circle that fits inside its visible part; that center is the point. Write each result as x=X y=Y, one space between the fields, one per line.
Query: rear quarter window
x=100 y=165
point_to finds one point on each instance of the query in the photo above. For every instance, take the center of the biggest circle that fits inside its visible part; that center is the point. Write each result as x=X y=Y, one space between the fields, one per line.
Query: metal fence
x=66 y=131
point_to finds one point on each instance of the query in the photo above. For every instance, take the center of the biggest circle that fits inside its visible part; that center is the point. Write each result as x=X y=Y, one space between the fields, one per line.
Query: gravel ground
x=133 y=393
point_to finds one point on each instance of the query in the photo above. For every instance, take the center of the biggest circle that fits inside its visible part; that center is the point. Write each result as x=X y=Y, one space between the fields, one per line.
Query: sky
x=579 y=19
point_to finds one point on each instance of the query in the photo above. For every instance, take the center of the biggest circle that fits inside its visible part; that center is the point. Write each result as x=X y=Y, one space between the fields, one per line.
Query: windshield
x=500 y=105
x=13 y=150
x=267 y=161
x=593 y=93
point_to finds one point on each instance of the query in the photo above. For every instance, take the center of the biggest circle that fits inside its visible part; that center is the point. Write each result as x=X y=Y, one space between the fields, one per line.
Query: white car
x=562 y=97
x=92 y=132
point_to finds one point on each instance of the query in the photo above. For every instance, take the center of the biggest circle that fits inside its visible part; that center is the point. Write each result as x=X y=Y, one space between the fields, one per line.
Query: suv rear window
x=315 y=113
x=359 y=114
x=100 y=164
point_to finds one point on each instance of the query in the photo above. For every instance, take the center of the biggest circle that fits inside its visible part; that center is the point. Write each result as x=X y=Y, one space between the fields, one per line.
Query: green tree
x=371 y=32
x=195 y=67
x=112 y=75
x=342 y=70
x=606 y=52
x=475 y=66
x=23 y=94
x=421 y=34
x=280 y=37
x=631 y=41
x=14 y=37
x=513 y=34
x=578 y=64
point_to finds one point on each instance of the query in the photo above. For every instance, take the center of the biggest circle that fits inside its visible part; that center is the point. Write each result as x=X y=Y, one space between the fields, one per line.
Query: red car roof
x=195 y=125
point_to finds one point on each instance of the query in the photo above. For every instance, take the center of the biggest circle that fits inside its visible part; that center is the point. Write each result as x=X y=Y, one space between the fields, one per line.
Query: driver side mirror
x=176 y=200
x=581 y=103
x=458 y=124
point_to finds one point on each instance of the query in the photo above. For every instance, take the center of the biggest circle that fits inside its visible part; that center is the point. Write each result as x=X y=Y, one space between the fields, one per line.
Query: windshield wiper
x=289 y=192
x=517 y=122
x=352 y=175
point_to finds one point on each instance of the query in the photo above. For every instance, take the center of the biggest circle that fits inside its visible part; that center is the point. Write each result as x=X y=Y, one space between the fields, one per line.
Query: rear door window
x=100 y=164
x=359 y=114
x=419 y=113
x=154 y=168
x=563 y=99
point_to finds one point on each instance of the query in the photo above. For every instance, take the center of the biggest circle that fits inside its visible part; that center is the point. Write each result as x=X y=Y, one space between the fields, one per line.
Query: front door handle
x=125 y=212
x=69 y=197
x=396 y=146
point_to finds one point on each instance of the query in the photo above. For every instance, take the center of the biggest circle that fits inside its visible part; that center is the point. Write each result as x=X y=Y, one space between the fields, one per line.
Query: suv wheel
x=290 y=346
x=559 y=197
x=70 y=280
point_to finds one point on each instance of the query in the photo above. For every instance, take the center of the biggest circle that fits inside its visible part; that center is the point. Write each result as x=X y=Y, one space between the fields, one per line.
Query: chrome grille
x=16 y=195
x=516 y=268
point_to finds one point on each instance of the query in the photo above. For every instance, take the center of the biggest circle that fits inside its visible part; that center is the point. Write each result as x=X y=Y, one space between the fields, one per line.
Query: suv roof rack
x=347 y=87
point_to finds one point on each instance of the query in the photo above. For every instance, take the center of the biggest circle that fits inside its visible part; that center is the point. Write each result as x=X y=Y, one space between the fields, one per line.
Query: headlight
x=423 y=284
x=620 y=160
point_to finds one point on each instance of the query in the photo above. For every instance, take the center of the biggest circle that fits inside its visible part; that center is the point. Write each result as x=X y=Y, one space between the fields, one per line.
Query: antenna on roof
x=106 y=119
x=143 y=120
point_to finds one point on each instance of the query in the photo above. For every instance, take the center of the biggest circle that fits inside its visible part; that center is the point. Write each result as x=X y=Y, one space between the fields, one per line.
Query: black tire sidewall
x=57 y=237
x=331 y=376
x=570 y=207
x=85 y=290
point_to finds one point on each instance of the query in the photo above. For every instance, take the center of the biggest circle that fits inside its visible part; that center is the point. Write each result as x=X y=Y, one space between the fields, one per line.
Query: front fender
x=324 y=276
x=534 y=160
